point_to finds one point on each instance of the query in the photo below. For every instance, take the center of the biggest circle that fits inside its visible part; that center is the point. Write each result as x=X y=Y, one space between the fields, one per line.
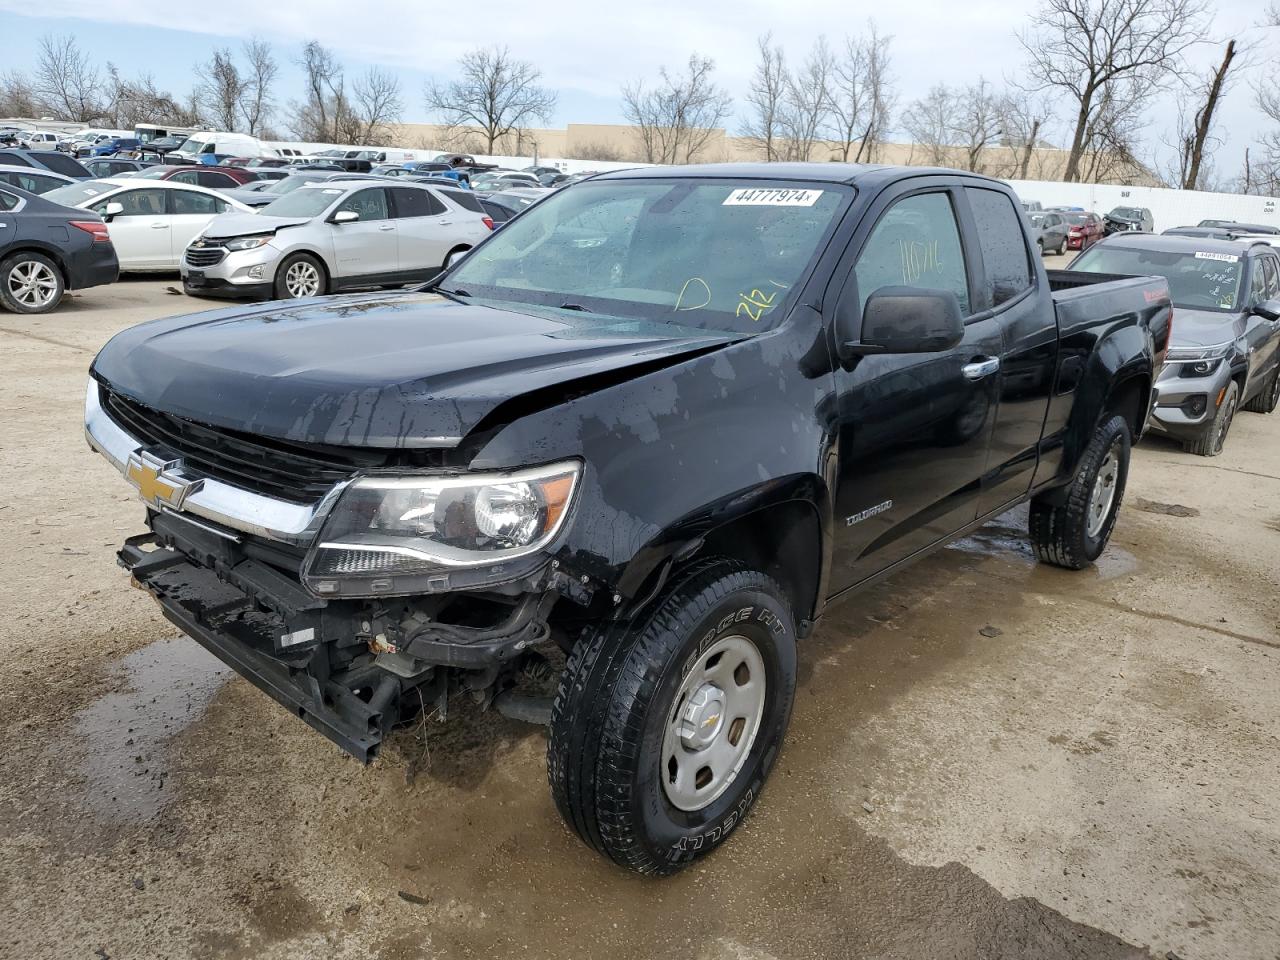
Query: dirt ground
x=988 y=758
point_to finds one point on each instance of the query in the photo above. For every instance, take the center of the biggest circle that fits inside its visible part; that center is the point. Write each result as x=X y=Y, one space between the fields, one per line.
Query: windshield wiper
x=575 y=306
x=454 y=295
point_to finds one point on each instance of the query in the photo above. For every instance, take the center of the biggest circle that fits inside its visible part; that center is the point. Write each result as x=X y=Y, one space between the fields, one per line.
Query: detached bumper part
x=228 y=623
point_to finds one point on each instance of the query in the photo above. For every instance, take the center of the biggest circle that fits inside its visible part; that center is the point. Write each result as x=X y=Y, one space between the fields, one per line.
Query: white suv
x=332 y=236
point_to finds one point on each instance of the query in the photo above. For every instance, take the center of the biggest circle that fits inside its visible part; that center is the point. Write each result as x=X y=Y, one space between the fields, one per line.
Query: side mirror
x=908 y=320
x=346 y=216
x=1268 y=309
x=112 y=210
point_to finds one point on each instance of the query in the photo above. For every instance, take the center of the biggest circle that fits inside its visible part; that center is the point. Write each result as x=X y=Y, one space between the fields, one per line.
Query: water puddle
x=170 y=683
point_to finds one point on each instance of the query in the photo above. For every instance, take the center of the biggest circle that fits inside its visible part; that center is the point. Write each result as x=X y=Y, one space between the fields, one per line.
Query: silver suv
x=327 y=237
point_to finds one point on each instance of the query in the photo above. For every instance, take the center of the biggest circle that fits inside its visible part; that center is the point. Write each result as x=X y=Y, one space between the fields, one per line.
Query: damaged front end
x=356 y=594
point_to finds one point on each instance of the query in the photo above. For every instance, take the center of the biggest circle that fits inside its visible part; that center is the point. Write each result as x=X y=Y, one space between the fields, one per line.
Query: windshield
x=1127 y=213
x=1198 y=280
x=192 y=145
x=303 y=203
x=1075 y=219
x=1037 y=219
x=288 y=184
x=74 y=194
x=722 y=255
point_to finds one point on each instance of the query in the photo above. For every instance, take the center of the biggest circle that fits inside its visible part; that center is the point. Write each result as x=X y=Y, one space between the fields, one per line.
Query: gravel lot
x=1095 y=777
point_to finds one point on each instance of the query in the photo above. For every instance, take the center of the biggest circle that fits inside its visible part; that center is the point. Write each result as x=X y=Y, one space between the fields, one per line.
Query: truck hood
x=391 y=370
x=242 y=224
x=1204 y=328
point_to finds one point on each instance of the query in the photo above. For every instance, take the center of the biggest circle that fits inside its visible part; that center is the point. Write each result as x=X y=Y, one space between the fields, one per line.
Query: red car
x=219 y=178
x=1083 y=230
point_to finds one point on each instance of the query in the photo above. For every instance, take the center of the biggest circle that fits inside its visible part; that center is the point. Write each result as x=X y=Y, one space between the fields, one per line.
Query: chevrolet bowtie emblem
x=157 y=480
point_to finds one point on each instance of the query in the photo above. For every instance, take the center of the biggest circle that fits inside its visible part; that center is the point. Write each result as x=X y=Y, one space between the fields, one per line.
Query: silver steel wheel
x=1104 y=492
x=302 y=279
x=32 y=283
x=713 y=723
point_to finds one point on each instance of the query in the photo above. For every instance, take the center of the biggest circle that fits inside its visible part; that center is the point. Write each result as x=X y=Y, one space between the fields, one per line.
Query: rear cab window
x=1005 y=258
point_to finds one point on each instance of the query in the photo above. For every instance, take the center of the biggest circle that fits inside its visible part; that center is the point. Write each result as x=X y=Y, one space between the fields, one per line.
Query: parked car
x=520 y=197
x=1129 y=220
x=1062 y=209
x=1213 y=233
x=103 y=167
x=355 y=161
x=165 y=144
x=1083 y=230
x=116 y=145
x=498 y=208
x=1031 y=206
x=438 y=169
x=568 y=442
x=39 y=140
x=1226 y=294
x=47 y=249
x=45 y=160
x=270 y=163
x=392 y=170
x=32 y=179
x=463 y=160
x=326 y=237
x=274 y=190
x=150 y=221
x=215 y=178
x=1240 y=228
x=506 y=180
x=1049 y=231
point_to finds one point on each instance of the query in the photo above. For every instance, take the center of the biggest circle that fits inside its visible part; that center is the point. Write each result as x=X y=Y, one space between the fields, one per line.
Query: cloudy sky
x=587 y=49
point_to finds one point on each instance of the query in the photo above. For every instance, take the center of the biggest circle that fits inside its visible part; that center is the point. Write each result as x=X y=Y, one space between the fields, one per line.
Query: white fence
x=1169 y=208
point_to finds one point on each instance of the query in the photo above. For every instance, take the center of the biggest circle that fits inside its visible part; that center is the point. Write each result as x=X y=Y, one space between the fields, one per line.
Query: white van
x=217 y=141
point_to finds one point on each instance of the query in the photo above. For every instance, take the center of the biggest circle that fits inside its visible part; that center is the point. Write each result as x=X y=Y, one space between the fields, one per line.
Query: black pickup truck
x=651 y=431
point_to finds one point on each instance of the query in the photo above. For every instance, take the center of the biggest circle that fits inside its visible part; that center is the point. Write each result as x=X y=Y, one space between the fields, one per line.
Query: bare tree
x=1091 y=49
x=314 y=117
x=256 y=103
x=1196 y=109
x=860 y=98
x=1113 y=134
x=375 y=104
x=1024 y=117
x=806 y=102
x=17 y=96
x=494 y=92
x=221 y=90
x=978 y=122
x=765 y=96
x=677 y=118
x=65 y=82
x=930 y=122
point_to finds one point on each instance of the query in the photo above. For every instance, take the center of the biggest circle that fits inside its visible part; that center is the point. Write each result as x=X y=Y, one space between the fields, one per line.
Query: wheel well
x=783 y=541
x=324 y=267
x=1130 y=400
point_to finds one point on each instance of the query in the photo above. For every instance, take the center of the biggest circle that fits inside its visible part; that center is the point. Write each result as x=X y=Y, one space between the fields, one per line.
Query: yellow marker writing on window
x=754 y=304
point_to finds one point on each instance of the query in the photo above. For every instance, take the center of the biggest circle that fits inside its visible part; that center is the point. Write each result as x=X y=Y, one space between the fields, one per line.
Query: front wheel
x=1073 y=533
x=1214 y=437
x=299 y=275
x=662 y=735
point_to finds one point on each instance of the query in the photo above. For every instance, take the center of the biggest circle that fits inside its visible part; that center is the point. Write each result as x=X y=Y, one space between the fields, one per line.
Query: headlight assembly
x=247 y=243
x=397 y=535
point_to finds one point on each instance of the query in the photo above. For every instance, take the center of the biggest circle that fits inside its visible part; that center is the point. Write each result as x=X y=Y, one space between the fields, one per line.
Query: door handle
x=386 y=227
x=445 y=223
x=159 y=226
x=982 y=367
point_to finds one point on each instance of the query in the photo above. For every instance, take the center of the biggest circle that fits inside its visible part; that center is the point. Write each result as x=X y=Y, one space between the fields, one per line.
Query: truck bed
x=1082 y=300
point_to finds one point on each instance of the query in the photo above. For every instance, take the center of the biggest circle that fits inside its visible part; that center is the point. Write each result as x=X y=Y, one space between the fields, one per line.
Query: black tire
x=285 y=288
x=1062 y=246
x=1063 y=533
x=30 y=283
x=1268 y=397
x=617 y=698
x=1040 y=247
x=1214 y=437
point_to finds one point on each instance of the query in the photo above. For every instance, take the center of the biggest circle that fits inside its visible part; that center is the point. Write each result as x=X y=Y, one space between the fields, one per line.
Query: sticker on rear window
x=755 y=197
x=1224 y=257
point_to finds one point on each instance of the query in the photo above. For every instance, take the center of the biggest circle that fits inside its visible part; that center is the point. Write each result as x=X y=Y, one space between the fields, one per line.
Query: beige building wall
x=620 y=142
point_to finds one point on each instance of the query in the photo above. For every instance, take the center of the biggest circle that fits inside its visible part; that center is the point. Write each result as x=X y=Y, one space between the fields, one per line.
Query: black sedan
x=47 y=249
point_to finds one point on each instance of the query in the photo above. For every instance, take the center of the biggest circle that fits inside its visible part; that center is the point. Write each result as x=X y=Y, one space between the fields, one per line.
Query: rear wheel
x=1268 y=398
x=1214 y=438
x=662 y=735
x=1074 y=532
x=299 y=275
x=30 y=283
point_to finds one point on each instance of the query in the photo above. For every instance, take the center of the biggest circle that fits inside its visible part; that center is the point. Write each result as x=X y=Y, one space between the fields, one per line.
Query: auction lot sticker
x=757 y=197
x=1224 y=257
